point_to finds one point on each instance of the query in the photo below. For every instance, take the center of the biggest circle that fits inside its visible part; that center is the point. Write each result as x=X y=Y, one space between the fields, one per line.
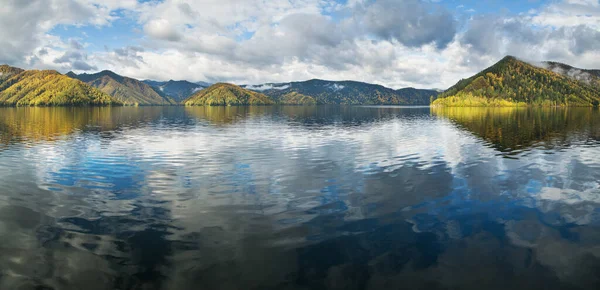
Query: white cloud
x=162 y=29
x=280 y=41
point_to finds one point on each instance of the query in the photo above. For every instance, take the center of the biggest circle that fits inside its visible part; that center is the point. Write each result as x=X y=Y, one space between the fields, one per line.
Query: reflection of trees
x=47 y=124
x=514 y=128
x=246 y=219
x=303 y=115
x=224 y=115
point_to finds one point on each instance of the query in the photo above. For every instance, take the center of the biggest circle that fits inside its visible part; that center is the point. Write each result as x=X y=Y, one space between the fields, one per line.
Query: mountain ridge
x=224 y=94
x=176 y=90
x=513 y=82
x=346 y=92
x=125 y=89
x=20 y=87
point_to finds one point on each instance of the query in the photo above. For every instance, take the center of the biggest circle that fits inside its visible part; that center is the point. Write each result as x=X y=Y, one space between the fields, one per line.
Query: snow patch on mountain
x=266 y=87
x=336 y=87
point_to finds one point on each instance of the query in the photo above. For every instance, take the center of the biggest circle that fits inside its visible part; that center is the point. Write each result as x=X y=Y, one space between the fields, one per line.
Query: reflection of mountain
x=510 y=129
x=30 y=124
x=308 y=116
x=223 y=115
x=293 y=198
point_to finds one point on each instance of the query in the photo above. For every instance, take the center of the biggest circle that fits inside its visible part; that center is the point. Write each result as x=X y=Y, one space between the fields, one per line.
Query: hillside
x=127 y=90
x=296 y=99
x=47 y=88
x=418 y=96
x=346 y=92
x=223 y=94
x=512 y=82
x=7 y=72
x=176 y=90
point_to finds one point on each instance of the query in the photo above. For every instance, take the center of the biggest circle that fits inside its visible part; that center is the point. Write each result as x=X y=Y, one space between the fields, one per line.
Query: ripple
x=137 y=197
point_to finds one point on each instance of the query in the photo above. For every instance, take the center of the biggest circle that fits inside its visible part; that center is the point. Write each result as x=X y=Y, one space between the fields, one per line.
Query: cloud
x=75 y=44
x=162 y=29
x=393 y=43
x=585 y=39
x=410 y=22
x=23 y=24
x=75 y=60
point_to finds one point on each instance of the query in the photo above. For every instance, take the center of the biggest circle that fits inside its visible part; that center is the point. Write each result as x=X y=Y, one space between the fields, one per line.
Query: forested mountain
x=223 y=94
x=418 y=96
x=512 y=82
x=346 y=92
x=7 y=71
x=297 y=99
x=127 y=90
x=46 y=88
x=176 y=90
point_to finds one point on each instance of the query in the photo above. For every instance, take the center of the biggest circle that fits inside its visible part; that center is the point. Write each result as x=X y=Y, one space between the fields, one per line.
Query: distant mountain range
x=177 y=90
x=127 y=90
x=512 y=82
x=345 y=92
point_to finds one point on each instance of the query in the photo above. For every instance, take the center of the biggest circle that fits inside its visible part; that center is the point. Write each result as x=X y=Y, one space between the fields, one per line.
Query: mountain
x=47 y=88
x=297 y=99
x=8 y=71
x=588 y=76
x=204 y=84
x=418 y=96
x=127 y=90
x=176 y=90
x=512 y=82
x=223 y=94
x=346 y=92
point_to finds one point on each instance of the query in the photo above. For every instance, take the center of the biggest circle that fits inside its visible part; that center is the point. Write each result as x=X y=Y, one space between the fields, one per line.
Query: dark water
x=299 y=198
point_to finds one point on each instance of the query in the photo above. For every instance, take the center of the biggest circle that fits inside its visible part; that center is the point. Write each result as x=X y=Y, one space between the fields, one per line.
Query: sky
x=395 y=43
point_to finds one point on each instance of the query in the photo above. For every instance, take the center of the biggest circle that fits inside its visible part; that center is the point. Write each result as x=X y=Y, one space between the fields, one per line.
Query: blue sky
x=397 y=43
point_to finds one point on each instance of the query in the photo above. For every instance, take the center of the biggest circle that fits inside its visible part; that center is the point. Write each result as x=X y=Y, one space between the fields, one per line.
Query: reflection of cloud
x=222 y=190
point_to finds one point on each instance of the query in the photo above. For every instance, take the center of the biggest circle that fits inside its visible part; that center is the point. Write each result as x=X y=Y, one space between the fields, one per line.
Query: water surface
x=299 y=198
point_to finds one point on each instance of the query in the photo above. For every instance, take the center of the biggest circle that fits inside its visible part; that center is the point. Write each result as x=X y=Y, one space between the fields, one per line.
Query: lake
x=322 y=197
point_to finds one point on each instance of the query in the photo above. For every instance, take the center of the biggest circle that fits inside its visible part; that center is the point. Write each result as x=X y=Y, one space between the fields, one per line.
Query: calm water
x=299 y=198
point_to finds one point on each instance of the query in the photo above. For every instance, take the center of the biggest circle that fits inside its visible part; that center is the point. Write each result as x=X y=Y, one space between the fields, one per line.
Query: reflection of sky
x=254 y=161
x=269 y=181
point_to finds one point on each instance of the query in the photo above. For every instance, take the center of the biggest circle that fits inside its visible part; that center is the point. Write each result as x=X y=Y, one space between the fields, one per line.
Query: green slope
x=47 y=88
x=296 y=99
x=512 y=82
x=223 y=94
x=127 y=90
